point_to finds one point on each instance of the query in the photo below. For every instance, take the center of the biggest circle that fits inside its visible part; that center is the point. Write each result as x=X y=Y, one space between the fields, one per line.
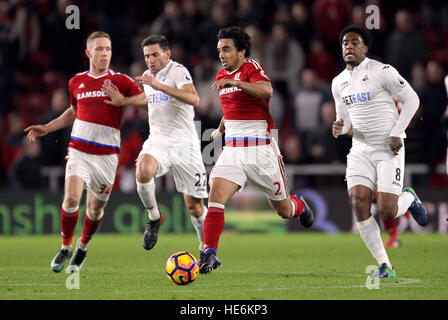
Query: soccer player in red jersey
x=93 y=149
x=250 y=152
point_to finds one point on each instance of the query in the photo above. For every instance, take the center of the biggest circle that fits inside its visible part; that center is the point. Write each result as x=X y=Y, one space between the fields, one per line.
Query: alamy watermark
x=73 y=21
x=373 y=17
x=374 y=282
x=73 y=280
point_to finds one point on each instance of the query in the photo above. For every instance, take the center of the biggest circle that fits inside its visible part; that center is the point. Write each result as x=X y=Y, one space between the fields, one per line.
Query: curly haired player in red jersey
x=93 y=149
x=250 y=152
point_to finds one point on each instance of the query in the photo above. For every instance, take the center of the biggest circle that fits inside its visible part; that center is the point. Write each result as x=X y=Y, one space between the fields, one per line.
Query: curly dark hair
x=240 y=38
x=365 y=35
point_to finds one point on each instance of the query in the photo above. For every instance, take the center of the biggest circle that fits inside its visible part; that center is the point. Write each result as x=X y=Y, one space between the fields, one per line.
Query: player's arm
x=261 y=89
x=398 y=87
x=218 y=132
x=186 y=94
x=444 y=120
x=64 y=120
x=118 y=99
x=343 y=124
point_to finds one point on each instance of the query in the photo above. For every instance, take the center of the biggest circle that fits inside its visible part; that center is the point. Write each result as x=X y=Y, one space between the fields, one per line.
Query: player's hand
x=224 y=83
x=337 y=127
x=215 y=134
x=150 y=81
x=395 y=144
x=116 y=98
x=36 y=131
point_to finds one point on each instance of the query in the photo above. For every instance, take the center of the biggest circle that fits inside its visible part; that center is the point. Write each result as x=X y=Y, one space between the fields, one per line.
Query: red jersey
x=240 y=105
x=97 y=126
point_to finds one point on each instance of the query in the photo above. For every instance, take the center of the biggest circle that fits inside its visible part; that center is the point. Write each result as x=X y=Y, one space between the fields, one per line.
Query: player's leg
x=190 y=178
x=266 y=172
x=390 y=208
x=74 y=187
x=92 y=220
x=294 y=206
x=221 y=190
x=198 y=212
x=360 y=194
x=146 y=170
x=391 y=227
x=393 y=201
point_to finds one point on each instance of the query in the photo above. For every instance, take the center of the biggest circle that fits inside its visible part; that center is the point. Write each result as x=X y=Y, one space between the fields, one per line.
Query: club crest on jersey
x=237 y=76
x=107 y=82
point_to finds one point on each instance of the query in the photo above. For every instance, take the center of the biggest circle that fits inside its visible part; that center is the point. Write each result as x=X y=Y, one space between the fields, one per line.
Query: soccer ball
x=182 y=268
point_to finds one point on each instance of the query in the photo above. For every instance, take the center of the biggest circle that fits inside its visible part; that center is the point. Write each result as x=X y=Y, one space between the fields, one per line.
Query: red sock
x=391 y=227
x=68 y=224
x=89 y=229
x=299 y=206
x=213 y=227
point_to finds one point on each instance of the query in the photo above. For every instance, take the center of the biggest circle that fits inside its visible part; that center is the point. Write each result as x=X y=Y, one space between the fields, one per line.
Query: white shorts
x=97 y=172
x=376 y=169
x=185 y=162
x=261 y=165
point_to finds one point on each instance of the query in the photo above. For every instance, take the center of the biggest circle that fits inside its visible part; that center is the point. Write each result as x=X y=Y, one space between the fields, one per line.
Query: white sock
x=73 y=210
x=198 y=224
x=404 y=202
x=147 y=193
x=293 y=208
x=370 y=234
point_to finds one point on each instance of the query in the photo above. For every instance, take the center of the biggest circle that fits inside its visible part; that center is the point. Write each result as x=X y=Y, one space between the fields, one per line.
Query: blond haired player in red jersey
x=93 y=149
x=250 y=152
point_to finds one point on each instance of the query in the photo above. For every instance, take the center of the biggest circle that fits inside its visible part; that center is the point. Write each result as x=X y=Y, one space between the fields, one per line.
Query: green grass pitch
x=288 y=266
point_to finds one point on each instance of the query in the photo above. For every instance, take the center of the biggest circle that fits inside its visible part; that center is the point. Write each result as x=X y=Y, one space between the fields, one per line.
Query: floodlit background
x=296 y=41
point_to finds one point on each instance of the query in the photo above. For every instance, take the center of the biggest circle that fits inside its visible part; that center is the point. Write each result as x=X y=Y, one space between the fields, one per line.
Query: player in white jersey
x=173 y=143
x=363 y=95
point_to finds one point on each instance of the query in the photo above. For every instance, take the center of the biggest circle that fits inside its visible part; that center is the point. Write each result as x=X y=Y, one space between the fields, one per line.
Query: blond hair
x=96 y=35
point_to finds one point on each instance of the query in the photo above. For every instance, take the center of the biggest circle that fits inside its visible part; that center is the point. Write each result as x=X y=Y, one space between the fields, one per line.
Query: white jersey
x=169 y=118
x=364 y=99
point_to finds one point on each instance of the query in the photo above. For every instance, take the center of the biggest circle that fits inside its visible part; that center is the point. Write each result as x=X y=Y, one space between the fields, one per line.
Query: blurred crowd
x=295 y=40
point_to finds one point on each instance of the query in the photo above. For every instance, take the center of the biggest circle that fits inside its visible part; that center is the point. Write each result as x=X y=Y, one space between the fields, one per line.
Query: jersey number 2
x=278 y=192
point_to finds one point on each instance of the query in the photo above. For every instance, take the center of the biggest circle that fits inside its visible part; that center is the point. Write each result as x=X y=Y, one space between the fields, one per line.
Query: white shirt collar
x=100 y=76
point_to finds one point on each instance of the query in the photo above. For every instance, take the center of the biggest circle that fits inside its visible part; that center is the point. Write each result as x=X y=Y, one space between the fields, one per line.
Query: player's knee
x=70 y=200
x=387 y=213
x=360 y=206
x=215 y=195
x=195 y=210
x=142 y=175
x=95 y=211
